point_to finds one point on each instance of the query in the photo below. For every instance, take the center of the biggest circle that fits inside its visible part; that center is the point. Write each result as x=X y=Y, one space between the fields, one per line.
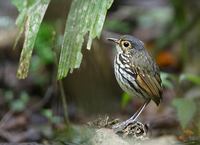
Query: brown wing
x=150 y=83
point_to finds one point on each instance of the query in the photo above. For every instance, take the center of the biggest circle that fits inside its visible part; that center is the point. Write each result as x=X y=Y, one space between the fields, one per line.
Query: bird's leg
x=138 y=112
x=123 y=124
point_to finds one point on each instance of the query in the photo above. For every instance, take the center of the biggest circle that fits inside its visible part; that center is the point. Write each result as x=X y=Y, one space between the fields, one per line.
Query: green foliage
x=159 y=17
x=20 y=104
x=165 y=77
x=84 y=17
x=43 y=54
x=44 y=43
x=52 y=118
x=125 y=99
x=118 y=26
x=179 y=12
x=185 y=110
x=190 y=77
x=186 y=107
x=16 y=105
x=22 y=6
x=37 y=67
x=30 y=18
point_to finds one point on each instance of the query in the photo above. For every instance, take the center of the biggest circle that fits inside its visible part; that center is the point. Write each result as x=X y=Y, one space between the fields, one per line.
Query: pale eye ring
x=126 y=44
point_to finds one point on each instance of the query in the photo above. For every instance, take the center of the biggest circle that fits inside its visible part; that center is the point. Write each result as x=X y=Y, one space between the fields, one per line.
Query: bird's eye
x=126 y=44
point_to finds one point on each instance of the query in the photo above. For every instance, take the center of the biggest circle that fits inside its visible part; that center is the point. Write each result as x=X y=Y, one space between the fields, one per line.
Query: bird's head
x=127 y=43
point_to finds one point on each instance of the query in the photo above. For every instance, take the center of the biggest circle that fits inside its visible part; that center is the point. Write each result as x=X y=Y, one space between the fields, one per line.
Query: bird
x=136 y=73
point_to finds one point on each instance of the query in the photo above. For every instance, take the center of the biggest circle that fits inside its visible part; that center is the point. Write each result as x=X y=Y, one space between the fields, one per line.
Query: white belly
x=123 y=83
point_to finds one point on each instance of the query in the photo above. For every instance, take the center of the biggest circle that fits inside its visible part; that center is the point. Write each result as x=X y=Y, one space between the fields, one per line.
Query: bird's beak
x=113 y=40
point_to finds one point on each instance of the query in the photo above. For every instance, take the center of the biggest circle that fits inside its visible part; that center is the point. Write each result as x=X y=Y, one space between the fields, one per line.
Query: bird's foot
x=122 y=125
x=132 y=128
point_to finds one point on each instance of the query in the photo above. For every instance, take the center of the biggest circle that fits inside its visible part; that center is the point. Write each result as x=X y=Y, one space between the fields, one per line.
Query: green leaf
x=165 y=80
x=30 y=17
x=47 y=113
x=20 y=103
x=44 y=43
x=185 y=110
x=84 y=17
x=17 y=105
x=20 y=4
x=22 y=7
x=191 y=77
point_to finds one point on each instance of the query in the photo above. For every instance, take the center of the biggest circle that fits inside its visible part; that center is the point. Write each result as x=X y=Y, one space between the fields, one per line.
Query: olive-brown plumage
x=136 y=71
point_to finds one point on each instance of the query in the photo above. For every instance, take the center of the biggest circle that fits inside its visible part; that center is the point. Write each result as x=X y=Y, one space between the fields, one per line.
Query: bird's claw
x=120 y=126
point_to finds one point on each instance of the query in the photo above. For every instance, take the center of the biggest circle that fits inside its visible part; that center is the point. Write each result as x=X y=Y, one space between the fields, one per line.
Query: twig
x=64 y=102
x=62 y=93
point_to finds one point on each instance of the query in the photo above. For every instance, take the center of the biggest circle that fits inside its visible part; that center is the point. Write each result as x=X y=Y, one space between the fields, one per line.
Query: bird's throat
x=119 y=49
